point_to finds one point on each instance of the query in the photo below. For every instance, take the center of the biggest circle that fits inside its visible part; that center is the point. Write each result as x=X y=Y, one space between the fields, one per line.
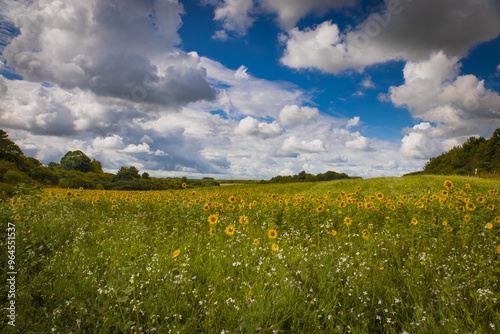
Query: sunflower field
x=386 y=255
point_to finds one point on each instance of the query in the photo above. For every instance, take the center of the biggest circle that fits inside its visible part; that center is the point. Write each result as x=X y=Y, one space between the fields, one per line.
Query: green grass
x=102 y=262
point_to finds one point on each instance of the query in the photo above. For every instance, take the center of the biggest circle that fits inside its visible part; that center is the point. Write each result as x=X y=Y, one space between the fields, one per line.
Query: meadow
x=387 y=255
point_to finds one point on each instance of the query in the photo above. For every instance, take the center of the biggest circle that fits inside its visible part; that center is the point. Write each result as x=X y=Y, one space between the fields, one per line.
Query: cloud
x=140 y=148
x=293 y=114
x=424 y=141
x=359 y=143
x=353 y=122
x=403 y=30
x=237 y=16
x=459 y=105
x=386 y=165
x=290 y=12
x=249 y=126
x=241 y=73
x=114 y=142
x=336 y=158
x=234 y=16
x=249 y=97
x=123 y=50
x=367 y=83
x=293 y=145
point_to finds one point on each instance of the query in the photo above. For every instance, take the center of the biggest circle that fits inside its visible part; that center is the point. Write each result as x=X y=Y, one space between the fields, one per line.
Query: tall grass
x=419 y=256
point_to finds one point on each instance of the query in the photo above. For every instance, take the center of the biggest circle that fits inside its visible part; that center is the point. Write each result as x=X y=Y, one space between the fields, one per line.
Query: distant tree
x=475 y=153
x=145 y=175
x=76 y=160
x=96 y=166
x=125 y=173
x=10 y=151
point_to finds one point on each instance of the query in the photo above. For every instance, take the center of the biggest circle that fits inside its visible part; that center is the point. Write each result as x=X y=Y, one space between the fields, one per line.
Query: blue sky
x=249 y=88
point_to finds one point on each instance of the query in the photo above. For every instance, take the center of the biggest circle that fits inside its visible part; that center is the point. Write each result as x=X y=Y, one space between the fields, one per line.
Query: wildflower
x=272 y=233
x=243 y=220
x=206 y=207
x=68 y=193
x=184 y=185
x=232 y=199
x=230 y=230
x=320 y=209
x=481 y=199
x=445 y=223
x=449 y=229
x=212 y=219
x=176 y=253
x=275 y=247
x=497 y=219
x=17 y=217
x=414 y=221
x=334 y=233
x=491 y=207
x=211 y=232
x=470 y=206
x=448 y=184
x=498 y=249
x=489 y=226
x=256 y=242
x=467 y=218
x=347 y=221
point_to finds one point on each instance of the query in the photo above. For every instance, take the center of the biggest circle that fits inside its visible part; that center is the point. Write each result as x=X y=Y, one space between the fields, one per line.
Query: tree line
x=477 y=156
x=77 y=170
x=306 y=177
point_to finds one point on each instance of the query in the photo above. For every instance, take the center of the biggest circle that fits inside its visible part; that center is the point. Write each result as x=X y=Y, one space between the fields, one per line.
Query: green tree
x=76 y=160
x=96 y=166
x=125 y=173
x=10 y=151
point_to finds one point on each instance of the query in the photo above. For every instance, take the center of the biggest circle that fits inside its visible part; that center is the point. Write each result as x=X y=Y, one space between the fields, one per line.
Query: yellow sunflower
x=176 y=253
x=272 y=233
x=212 y=219
x=230 y=230
x=243 y=220
x=275 y=247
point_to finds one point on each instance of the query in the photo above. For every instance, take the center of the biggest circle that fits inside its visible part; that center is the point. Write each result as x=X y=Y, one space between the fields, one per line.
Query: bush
x=15 y=177
x=45 y=175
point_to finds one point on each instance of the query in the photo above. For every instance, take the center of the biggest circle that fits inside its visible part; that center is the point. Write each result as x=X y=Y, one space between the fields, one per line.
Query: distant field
x=387 y=255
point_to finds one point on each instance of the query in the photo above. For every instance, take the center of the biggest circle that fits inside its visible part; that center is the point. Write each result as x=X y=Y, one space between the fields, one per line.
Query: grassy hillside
x=386 y=255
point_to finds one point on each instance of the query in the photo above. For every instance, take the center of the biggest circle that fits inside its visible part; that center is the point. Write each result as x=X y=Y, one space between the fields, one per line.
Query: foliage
x=306 y=177
x=76 y=160
x=475 y=154
x=127 y=173
x=388 y=255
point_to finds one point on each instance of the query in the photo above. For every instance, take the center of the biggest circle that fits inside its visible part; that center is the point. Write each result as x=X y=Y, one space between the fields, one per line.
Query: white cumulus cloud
x=293 y=114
